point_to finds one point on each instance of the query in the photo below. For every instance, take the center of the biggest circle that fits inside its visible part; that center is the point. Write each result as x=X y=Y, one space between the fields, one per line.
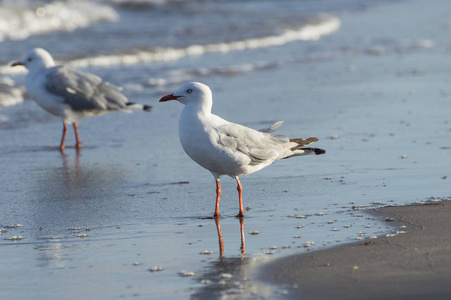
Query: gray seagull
x=70 y=94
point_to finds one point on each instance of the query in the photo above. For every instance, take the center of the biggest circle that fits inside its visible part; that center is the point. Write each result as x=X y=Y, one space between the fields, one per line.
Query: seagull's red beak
x=16 y=63
x=169 y=97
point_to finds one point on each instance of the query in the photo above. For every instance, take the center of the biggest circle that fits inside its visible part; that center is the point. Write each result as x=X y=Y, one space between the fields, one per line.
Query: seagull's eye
x=189 y=91
x=29 y=59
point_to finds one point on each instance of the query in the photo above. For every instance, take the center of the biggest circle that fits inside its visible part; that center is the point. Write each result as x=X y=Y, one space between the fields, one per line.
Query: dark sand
x=413 y=265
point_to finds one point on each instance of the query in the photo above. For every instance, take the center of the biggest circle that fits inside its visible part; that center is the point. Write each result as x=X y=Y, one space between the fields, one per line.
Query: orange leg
x=240 y=195
x=77 y=138
x=63 y=138
x=218 y=194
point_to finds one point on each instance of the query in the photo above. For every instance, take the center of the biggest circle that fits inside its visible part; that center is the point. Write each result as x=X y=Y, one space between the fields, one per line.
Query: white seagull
x=70 y=94
x=226 y=148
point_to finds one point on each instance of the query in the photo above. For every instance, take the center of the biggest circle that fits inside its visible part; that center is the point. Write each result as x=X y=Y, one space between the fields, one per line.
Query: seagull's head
x=191 y=93
x=35 y=59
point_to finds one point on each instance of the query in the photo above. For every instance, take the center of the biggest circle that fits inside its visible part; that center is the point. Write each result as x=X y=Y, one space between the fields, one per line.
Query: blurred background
x=138 y=44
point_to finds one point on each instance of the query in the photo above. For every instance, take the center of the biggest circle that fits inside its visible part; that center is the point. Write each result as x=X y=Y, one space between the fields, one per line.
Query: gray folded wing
x=256 y=145
x=83 y=91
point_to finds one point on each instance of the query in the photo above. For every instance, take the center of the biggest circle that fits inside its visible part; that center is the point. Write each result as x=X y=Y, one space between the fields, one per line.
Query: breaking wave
x=21 y=19
x=325 y=25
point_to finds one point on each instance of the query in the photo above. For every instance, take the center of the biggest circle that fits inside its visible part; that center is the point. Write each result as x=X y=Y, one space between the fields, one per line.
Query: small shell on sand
x=14 y=226
x=309 y=244
x=226 y=276
x=156 y=269
x=184 y=273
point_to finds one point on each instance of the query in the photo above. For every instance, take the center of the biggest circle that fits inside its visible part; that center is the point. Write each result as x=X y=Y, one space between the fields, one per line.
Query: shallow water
x=95 y=222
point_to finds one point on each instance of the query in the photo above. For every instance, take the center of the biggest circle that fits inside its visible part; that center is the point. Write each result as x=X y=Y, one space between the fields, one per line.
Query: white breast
x=35 y=85
x=200 y=140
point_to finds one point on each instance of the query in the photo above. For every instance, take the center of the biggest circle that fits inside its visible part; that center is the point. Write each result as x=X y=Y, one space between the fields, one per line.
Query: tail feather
x=136 y=106
x=299 y=149
x=316 y=151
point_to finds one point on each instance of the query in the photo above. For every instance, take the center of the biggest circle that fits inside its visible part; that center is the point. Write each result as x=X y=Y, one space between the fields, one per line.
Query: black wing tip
x=144 y=107
x=317 y=151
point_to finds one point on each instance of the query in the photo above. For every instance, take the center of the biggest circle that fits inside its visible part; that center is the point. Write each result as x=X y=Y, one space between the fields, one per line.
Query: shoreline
x=414 y=265
x=375 y=93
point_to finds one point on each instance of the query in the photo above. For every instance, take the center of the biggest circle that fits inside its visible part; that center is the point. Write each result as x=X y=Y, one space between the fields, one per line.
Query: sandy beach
x=123 y=217
x=411 y=264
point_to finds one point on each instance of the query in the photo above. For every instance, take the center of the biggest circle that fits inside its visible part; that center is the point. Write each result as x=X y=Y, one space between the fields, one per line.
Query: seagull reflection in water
x=221 y=240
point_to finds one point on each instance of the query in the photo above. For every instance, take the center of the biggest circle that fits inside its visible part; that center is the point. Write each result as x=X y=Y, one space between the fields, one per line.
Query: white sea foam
x=10 y=93
x=21 y=19
x=140 y=3
x=327 y=25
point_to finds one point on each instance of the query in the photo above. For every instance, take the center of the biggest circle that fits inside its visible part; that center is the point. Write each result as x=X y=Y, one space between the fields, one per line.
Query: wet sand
x=94 y=222
x=411 y=265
